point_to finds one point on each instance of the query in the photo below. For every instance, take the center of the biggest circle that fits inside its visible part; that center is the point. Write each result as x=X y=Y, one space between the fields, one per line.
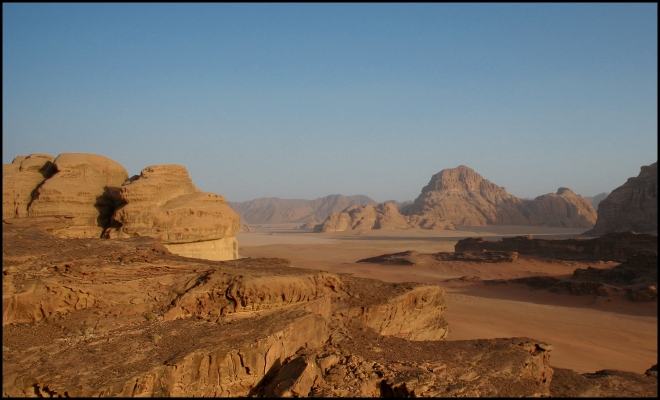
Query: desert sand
x=589 y=333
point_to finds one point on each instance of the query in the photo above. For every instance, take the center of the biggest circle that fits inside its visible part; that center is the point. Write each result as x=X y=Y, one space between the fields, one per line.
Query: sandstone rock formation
x=94 y=317
x=274 y=210
x=632 y=206
x=611 y=247
x=164 y=204
x=563 y=209
x=380 y=216
x=81 y=187
x=460 y=196
x=20 y=181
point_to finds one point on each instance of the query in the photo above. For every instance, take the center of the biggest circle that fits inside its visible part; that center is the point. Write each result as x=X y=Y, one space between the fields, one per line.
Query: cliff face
x=163 y=203
x=632 y=206
x=460 y=196
x=93 y=196
x=274 y=210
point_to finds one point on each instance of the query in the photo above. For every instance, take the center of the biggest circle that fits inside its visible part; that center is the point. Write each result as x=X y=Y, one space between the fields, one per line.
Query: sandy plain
x=588 y=333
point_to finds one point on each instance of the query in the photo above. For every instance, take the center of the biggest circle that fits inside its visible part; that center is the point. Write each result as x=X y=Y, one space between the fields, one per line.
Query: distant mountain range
x=273 y=210
x=597 y=199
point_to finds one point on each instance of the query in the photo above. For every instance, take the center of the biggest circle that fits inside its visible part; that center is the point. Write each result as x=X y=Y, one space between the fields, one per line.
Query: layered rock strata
x=460 y=196
x=617 y=246
x=164 y=204
x=632 y=206
x=80 y=187
x=93 y=317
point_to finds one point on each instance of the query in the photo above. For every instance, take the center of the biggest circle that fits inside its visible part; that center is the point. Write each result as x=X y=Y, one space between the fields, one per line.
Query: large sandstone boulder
x=83 y=189
x=20 y=180
x=632 y=206
x=163 y=203
x=564 y=209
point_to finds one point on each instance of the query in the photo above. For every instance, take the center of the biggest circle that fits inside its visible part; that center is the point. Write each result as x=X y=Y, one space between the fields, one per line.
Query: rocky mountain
x=93 y=196
x=460 y=196
x=273 y=210
x=595 y=200
x=632 y=206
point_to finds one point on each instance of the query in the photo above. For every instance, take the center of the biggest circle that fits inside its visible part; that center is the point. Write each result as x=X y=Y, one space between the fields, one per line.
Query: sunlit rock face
x=163 y=203
x=79 y=187
x=632 y=206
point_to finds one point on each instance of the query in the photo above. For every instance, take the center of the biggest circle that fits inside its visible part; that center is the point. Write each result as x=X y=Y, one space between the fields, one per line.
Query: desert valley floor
x=588 y=333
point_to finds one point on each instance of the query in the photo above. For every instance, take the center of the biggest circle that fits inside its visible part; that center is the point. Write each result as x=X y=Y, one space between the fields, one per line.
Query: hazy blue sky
x=306 y=100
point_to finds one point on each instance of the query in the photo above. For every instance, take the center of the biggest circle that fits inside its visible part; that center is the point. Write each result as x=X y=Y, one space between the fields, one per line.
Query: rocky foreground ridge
x=632 y=206
x=95 y=198
x=460 y=196
x=125 y=317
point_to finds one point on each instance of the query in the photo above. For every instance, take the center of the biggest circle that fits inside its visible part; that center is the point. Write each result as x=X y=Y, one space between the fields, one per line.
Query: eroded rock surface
x=20 y=181
x=617 y=246
x=80 y=187
x=126 y=317
x=164 y=204
x=632 y=206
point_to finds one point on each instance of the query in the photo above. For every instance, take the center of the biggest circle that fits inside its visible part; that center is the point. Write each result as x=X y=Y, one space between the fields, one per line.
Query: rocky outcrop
x=413 y=257
x=128 y=318
x=637 y=277
x=164 y=204
x=460 y=196
x=562 y=209
x=93 y=317
x=617 y=246
x=20 y=181
x=274 y=210
x=80 y=187
x=632 y=206
x=380 y=216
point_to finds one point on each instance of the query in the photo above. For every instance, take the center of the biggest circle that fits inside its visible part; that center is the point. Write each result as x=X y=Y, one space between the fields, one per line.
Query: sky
x=306 y=100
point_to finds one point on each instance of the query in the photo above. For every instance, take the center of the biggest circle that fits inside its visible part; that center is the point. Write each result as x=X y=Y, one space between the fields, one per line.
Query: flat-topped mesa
x=83 y=188
x=163 y=203
x=632 y=206
x=20 y=179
